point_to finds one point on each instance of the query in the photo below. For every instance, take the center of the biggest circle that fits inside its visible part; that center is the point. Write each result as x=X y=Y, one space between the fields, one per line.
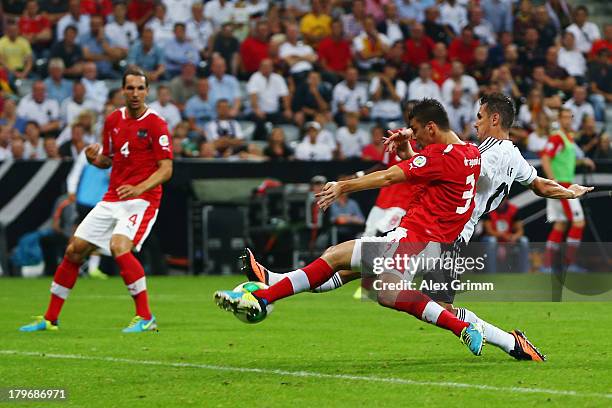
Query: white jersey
x=502 y=164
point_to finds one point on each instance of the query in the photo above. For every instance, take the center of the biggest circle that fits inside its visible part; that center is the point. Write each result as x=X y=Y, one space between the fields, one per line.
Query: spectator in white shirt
x=423 y=86
x=74 y=18
x=296 y=54
x=121 y=32
x=370 y=46
x=585 y=32
x=467 y=83
x=179 y=11
x=570 y=58
x=482 y=28
x=579 y=106
x=40 y=109
x=350 y=138
x=199 y=29
x=95 y=89
x=265 y=89
x=453 y=14
x=162 y=26
x=312 y=147
x=219 y=12
x=225 y=132
x=387 y=93
x=34 y=147
x=349 y=96
x=165 y=108
x=460 y=113
x=77 y=103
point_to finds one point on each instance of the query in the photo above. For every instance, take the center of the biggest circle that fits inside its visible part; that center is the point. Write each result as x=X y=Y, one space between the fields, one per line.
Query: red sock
x=307 y=278
x=574 y=236
x=63 y=281
x=423 y=308
x=552 y=246
x=134 y=278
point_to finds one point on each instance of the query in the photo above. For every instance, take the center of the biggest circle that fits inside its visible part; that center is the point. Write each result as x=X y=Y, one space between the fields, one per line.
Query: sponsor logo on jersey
x=471 y=162
x=164 y=141
x=142 y=133
x=419 y=161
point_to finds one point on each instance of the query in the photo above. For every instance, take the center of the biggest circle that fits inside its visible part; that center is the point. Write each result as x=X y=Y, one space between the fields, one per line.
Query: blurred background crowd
x=298 y=79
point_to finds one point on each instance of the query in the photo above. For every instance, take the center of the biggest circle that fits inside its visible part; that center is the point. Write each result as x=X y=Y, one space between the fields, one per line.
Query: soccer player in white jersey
x=502 y=164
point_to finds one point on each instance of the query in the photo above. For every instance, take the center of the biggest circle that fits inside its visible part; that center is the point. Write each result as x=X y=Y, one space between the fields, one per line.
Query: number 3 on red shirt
x=468 y=194
x=125 y=150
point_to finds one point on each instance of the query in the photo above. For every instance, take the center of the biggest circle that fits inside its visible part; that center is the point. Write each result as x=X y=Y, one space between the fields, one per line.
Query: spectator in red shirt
x=462 y=48
x=418 y=47
x=140 y=11
x=440 y=67
x=605 y=42
x=375 y=150
x=334 y=53
x=92 y=7
x=35 y=27
x=255 y=48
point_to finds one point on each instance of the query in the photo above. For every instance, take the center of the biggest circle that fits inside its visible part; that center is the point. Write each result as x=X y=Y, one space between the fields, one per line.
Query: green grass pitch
x=314 y=350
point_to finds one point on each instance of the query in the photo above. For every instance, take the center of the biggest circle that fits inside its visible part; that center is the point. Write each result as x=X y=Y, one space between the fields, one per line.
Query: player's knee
x=449 y=307
x=334 y=257
x=76 y=251
x=119 y=247
x=386 y=298
x=578 y=224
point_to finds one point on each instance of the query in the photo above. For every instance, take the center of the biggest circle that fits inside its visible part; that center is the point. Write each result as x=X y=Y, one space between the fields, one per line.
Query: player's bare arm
x=384 y=178
x=95 y=158
x=551 y=189
x=161 y=175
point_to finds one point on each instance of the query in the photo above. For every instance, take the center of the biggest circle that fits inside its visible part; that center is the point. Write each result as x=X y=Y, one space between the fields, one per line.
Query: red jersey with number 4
x=448 y=174
x=135 y=146
x=397 y=195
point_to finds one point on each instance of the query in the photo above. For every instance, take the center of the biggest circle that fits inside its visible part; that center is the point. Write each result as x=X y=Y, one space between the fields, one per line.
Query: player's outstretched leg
x=63 y=281
x=256 y=272
x=423 y=308
x=335 y=258
x=514 y=343
x=134 y=278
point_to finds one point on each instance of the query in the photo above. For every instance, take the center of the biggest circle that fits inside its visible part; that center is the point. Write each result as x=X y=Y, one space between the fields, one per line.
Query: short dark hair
x=501 y=104
x=430 y=110
x=136 y=72
x=582 y=7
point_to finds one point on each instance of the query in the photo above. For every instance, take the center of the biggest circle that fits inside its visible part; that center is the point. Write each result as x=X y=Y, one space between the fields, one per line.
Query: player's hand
x=92 y=151
x=329 y=194
x=397 y=138
x=590 y=164
x=579 y=190
x=127 y=191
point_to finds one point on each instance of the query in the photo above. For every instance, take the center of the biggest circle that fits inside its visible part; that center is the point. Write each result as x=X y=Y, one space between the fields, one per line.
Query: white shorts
x=564 y=210
x=132 y=218
x=388 y=247
x=383 y=220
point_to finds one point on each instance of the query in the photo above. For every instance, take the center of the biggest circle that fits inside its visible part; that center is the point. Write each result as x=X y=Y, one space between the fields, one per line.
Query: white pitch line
x=312 y=374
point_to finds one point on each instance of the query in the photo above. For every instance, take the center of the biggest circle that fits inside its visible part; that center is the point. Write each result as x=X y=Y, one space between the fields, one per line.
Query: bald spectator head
x=266 y=67
x=218 y=66
x=425 y=72
x=56 y=68
x=202 y=88
x=197 y=11
x=17 y=148
x=39 y=91
x=90 y=71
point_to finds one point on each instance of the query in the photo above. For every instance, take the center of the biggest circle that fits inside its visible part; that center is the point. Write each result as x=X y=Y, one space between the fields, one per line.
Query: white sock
x=494 y=335
x=333 y=283
x=274 y=277
x=93 y=263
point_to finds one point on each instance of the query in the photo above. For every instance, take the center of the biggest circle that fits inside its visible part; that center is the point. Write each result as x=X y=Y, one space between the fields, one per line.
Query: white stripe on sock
x=494 y=335
x=299 y=281
x=274 y=277
x=59 y=290
x=138 y=286
x=431 y=312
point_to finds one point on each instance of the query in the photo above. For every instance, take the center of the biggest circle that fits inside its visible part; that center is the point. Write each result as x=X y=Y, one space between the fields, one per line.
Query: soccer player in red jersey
x=449 y=169
x=138 y=146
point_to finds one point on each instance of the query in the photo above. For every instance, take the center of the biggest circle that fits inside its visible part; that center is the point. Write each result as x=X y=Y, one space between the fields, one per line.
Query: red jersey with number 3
x=448 y=174
x=135 y=146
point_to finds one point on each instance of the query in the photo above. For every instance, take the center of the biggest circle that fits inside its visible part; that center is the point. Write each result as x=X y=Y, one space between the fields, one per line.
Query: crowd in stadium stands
x=297 y=79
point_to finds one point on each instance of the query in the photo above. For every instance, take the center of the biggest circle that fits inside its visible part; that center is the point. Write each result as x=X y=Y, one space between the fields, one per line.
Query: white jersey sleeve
x=501 y=165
